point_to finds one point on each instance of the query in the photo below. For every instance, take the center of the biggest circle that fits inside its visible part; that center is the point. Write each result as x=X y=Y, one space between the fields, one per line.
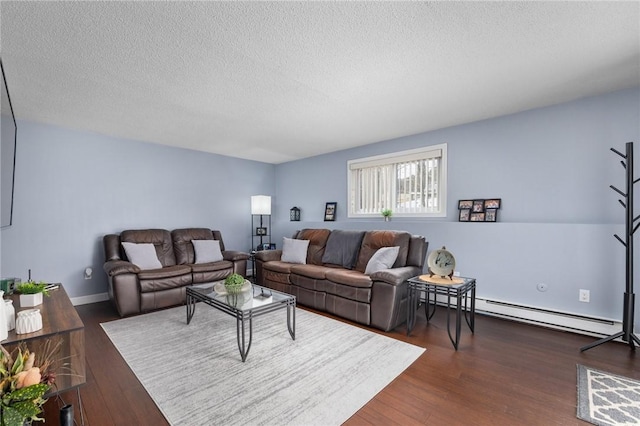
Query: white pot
x=30 y=300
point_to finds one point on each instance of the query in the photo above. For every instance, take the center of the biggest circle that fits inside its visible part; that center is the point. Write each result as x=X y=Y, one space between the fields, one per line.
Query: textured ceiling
x=279 y=81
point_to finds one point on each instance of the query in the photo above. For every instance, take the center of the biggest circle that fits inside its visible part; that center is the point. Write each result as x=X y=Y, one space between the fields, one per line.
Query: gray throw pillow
x=294 y=251
x=384 y=258
x=343 y=248
x=207 y=251
x=142 y=255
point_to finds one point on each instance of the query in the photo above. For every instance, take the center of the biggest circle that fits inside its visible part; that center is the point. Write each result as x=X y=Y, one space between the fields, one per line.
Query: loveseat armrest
x=268 y=255
x=117 y=267
x=395 y=276
x=234 y=255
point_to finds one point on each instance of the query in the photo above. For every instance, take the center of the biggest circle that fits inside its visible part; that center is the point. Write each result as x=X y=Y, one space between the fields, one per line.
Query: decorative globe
x=233 y=283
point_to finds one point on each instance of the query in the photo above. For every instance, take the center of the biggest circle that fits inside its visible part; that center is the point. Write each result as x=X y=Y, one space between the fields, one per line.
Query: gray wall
x=73 y=187
x=552 y=168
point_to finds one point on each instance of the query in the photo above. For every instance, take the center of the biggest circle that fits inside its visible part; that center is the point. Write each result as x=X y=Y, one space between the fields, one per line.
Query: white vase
x=28 y=321
x=30 y=300
x=4 y=330
x=11 y=314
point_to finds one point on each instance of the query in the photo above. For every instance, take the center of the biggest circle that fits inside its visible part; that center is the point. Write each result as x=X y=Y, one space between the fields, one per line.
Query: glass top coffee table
x=244 y=307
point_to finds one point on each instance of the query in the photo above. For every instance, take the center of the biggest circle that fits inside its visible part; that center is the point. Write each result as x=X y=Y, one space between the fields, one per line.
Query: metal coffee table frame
x=458 y=291
x=244 y=312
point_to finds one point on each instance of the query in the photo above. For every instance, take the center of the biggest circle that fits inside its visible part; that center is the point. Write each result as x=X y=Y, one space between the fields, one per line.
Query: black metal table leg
x=242 y=344
x=191 y=308
x=291 y=315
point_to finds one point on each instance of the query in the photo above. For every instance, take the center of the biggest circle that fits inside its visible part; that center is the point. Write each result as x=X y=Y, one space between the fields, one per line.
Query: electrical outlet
x=456 y=273
x=584 y=296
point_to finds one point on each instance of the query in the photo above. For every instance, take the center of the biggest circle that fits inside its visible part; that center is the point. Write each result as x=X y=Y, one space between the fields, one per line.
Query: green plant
x=233 y=283
x=386 y=212
x=23 y=385
x=32 y=287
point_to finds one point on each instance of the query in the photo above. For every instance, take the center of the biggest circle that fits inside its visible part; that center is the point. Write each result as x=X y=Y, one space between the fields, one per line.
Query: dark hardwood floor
x=506 y=373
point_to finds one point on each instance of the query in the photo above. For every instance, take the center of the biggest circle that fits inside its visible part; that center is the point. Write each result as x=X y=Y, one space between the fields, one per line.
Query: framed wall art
x=330 y=212
x=479 y=210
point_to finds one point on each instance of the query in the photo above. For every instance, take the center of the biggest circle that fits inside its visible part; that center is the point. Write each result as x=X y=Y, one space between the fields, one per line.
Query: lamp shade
x=260 y=204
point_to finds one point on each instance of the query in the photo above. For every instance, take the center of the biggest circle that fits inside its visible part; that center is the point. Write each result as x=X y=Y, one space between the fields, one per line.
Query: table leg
x=291 y=320
x=191 y=307
x=428 y=312
x=411 y=309
x=243 y=346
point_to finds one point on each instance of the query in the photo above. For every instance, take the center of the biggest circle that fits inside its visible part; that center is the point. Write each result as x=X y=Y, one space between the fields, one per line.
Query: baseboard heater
x=565 y=321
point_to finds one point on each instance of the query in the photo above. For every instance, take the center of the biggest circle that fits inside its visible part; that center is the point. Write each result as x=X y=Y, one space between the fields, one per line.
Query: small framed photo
x=493 y=203
x=330 y=212
x=272 y=246
x=477 y=217
x=491 y=215
x=261 y=231
x=465 y=204
x=464 y=215
x=478 y=206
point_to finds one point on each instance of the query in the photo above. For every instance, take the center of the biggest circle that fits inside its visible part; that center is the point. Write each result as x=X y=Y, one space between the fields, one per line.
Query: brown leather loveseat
x=337 y=275
x=161 y=283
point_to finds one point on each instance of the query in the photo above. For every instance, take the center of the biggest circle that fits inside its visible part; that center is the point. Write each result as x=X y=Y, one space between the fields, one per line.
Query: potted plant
x=31 y=293
x=234 y=283
x=386 y=213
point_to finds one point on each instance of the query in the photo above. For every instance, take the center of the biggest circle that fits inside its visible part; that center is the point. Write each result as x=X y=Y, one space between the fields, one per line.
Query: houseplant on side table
x=31 y=293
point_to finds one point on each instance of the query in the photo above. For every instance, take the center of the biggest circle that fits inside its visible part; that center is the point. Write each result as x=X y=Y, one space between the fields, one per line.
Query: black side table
x=432 y=289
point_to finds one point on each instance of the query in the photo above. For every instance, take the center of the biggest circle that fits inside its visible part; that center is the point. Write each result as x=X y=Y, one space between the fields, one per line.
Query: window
x=411 y=183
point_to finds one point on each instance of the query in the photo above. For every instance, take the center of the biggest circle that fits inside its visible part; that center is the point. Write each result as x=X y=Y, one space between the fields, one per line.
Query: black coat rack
x=629 y=298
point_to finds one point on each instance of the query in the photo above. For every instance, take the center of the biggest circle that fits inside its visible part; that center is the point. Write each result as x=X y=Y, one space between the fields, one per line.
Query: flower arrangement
x=23 y=384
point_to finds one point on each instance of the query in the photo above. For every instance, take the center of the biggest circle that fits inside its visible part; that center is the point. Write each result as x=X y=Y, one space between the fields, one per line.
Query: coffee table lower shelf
x=244 y=307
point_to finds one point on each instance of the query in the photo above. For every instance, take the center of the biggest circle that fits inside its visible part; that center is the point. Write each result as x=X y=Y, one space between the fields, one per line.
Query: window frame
x=392 y=158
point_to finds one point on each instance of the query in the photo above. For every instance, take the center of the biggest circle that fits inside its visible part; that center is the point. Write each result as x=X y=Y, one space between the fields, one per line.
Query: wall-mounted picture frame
x=492 y=203
x=465 y=204
x=261 y=231
x=477 y=217
x=330 y=212
x=478 y=206
x=479 y=210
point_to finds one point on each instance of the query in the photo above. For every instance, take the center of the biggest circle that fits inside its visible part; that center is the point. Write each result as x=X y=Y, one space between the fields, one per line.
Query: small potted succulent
x=234 y=283
x=31 y=293
x=386 y=213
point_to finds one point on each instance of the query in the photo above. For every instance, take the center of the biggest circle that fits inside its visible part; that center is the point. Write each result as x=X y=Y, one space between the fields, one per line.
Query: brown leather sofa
x=378 y=299
x=133 y=290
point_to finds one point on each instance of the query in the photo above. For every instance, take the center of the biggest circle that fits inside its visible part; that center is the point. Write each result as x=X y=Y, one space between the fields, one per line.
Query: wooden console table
x=59 y=321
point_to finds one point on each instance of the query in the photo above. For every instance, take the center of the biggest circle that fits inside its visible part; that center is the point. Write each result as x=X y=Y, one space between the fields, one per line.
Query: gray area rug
x=607 y=399
x=195 y=375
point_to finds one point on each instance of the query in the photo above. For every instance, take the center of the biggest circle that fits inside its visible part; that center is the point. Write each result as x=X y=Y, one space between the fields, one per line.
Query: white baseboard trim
x=92 y=298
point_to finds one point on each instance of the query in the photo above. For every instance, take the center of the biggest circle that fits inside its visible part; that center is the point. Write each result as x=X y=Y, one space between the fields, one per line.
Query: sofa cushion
x=278 y=266
x=348 y=277
x=183 y=245
x=294 y=250
x=212 y=266
x=317 y=243
x=382 y=259
x=165 y=273
x=160 y=238
x=207 y=251
x=374 y=240
x=311 y=271
x=142 y=255
x=343 y=247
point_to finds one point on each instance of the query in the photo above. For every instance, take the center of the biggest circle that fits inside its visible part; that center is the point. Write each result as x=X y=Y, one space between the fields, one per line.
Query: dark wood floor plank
x=506 y=373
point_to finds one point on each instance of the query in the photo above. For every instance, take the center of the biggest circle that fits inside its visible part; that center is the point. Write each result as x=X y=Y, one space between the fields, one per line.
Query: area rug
x=607 y=399
x=195 y=375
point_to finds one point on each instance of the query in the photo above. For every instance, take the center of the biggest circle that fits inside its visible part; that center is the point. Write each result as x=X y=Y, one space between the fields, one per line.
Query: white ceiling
x=279 y=81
